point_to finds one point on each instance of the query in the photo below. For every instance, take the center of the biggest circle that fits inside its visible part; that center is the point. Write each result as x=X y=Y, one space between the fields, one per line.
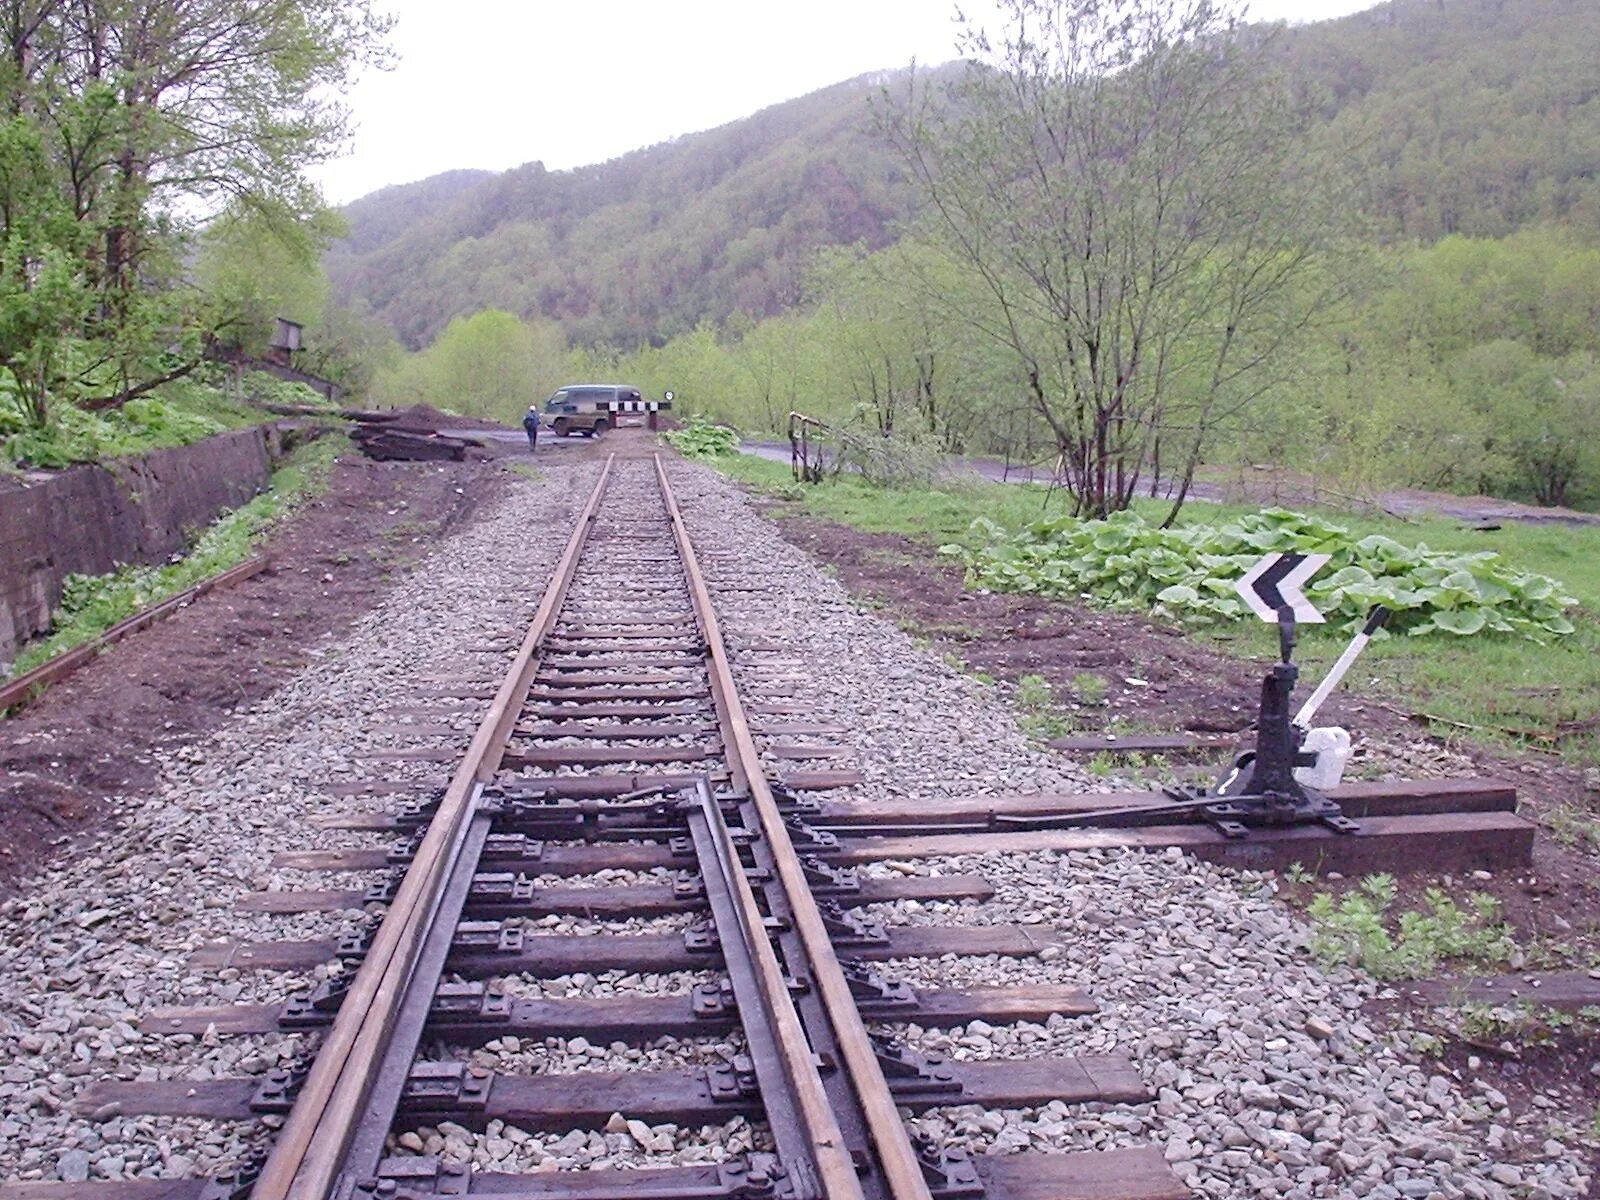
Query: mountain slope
x=1469 y=116
x=641 y=247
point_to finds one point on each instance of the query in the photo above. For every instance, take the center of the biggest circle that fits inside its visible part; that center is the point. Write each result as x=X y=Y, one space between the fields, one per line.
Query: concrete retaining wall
x=88 y=520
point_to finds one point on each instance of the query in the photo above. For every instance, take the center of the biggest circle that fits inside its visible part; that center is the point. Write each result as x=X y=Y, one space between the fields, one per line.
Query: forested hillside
x=1388 y=272
x=639 y=248
x=1466 y=116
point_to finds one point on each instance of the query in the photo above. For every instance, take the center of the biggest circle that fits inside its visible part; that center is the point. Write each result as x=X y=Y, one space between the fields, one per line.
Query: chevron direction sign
x=1275 y=583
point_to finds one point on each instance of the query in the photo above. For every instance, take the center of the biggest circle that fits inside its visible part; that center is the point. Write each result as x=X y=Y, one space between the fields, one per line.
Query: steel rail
x=766 y=1010
x=20 y=691
x=310 y=1150
x=896 y=1158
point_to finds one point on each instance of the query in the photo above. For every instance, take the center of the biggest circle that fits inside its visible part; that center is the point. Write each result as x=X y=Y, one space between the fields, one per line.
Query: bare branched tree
x=1122 y=177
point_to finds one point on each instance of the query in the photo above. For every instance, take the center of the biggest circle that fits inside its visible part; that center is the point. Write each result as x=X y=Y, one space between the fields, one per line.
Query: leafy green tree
x=487 y=365
x=350 y=349
x=1542 y=415
x=44 y=294
x=143 y=117
x=257 y=266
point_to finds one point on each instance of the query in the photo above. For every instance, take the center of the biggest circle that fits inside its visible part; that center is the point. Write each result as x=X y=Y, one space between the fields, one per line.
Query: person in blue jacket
x=530 y=422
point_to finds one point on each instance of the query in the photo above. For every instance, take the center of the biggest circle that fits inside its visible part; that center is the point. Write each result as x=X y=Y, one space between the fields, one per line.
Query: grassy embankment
x=183 y=412
x=92 y=604
x=1504 y=691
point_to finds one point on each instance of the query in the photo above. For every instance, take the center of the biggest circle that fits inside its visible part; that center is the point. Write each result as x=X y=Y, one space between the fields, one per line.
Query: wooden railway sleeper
x=751 y=1177
x=471 y=1096
x=507 y=891
x=473 y=1011
x=498 y=847
x=480 y=938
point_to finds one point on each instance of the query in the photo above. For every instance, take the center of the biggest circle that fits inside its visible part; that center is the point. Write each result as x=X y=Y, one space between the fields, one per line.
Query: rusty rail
x=307 y=1155
x=20 y=690
x=896 y=1156
x=626 y=655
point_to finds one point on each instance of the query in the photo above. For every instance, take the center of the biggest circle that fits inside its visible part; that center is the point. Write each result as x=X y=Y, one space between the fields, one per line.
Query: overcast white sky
x=497 y=83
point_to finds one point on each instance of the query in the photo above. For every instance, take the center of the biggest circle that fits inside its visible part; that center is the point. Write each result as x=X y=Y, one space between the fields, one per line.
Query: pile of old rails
x=617 y=744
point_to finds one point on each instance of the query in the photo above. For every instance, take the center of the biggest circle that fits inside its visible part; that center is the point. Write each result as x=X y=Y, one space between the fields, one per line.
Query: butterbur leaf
x=1190 y=572
x=1462 y=621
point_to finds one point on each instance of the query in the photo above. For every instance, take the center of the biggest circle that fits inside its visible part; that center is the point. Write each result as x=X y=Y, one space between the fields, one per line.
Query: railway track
x=621 y=776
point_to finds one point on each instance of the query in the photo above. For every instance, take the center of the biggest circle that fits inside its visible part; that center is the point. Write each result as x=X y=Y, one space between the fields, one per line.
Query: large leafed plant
x=1188 y=573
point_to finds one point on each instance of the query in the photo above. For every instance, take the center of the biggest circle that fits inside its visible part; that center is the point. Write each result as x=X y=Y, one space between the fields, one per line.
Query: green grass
x=1038 y=715
x=935 y=515
x=92 y=604
x=1505 y=691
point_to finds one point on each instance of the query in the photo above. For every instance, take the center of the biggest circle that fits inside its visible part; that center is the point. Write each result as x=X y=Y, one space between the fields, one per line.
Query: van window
x=591 y=395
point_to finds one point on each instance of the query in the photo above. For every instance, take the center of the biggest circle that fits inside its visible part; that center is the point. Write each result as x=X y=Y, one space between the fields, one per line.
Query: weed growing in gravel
x=1480 y=1022
x=1359 y=929
x=1521 y=1024
x=1089 y=688
x=1428 y=1045
x=1036 y=709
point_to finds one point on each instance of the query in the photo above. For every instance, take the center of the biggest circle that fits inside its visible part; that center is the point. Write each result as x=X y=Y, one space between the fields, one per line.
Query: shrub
x=901 y=461
x=701 y=439
x=1358 y=930
x=77 y=435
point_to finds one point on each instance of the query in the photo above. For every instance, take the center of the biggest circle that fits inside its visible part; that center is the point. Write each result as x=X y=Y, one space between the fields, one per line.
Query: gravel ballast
x=89 y=947
x=1267 y=1078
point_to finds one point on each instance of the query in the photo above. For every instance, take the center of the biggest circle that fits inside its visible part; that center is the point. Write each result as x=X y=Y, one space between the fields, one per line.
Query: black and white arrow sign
x=1274 y=583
